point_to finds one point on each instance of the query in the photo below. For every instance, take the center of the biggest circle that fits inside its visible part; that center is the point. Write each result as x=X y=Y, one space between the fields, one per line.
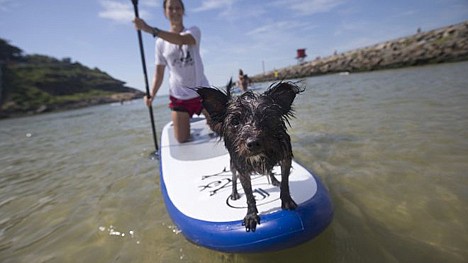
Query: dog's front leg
x=251 y=219
x=234 y=194
x=286 y=201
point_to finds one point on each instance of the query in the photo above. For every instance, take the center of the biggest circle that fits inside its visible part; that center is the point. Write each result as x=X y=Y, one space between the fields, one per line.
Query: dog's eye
x=235 y=121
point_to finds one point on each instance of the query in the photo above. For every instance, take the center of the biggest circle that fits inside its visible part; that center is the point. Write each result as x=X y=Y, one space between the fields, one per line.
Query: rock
x=448 y=44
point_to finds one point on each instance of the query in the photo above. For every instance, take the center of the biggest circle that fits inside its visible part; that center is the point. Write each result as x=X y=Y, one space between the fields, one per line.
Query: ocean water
x=391 y=146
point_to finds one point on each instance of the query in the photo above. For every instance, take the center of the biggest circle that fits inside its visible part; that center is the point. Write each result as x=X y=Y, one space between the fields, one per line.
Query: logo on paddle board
x=221 y=183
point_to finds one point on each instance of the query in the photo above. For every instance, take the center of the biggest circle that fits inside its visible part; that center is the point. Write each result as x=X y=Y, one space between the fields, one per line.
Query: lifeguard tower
x=301 y=55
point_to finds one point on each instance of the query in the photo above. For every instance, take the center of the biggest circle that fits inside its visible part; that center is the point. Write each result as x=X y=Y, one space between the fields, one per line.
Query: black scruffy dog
x=254 y=130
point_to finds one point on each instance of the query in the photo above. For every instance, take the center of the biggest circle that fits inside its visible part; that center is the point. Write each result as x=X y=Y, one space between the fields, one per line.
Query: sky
x=254 y=35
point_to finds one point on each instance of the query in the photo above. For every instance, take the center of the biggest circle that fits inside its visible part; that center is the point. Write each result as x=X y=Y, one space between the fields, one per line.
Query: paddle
x=143 y=63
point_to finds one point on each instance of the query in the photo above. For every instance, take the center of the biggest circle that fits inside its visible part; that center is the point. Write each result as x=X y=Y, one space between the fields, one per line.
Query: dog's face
x=253 y=125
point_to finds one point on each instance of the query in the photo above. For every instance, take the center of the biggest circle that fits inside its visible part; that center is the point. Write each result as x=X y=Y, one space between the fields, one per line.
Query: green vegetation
x=36 y=83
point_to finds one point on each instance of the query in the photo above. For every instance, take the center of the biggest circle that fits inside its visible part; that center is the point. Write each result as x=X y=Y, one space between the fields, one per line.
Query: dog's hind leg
x=251 y=219
x=286 y=200
x=273 y=179
x=234 y=194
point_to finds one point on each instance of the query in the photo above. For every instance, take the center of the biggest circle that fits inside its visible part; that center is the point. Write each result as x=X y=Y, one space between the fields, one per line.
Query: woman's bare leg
x=181 y=121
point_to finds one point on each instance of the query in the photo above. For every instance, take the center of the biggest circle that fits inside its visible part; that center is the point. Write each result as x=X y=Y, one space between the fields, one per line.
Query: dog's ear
x=229 y=88
x=215 y=102
x=283 y=94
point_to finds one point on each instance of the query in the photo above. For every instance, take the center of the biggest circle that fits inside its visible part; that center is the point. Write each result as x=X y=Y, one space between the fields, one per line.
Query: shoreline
x=446 y=44
x=101 y=100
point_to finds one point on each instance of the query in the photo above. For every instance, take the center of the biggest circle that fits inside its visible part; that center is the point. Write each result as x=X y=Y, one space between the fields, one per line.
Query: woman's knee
x=181 y=138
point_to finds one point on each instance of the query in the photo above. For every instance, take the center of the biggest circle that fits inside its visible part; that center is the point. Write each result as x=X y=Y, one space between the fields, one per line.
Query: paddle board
x=196 y=185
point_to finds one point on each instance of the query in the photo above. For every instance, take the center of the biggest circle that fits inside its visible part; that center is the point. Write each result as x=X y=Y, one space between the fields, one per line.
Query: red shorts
x=191 y=106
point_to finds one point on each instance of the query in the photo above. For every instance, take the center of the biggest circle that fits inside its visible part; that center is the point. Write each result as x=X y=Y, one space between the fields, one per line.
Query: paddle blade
x=154 y=156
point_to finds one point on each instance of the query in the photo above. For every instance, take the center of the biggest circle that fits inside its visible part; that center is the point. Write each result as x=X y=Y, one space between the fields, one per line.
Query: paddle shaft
x=143 y=63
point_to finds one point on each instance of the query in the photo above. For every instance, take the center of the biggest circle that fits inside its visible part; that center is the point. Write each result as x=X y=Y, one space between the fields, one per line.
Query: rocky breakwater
x=448 y=44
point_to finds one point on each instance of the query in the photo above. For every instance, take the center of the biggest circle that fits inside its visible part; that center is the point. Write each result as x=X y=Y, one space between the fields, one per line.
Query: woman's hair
x=181 y=3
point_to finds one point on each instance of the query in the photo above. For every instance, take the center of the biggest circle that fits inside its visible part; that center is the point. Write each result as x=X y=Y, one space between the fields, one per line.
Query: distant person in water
x=178 y=49
x=244 y=81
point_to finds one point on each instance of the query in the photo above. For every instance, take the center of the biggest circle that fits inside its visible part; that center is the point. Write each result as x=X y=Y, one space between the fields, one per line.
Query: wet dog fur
x=254 y=129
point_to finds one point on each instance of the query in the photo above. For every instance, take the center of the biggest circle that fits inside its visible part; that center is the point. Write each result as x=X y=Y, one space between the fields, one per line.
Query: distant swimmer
x=244 y=81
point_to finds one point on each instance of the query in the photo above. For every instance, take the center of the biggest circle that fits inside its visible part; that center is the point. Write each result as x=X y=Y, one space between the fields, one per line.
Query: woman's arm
x=158 y=79
x=157 y=82
x=174 y=38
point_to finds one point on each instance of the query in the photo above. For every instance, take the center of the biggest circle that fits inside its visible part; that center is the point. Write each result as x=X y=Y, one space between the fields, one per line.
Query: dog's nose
x=253 y=144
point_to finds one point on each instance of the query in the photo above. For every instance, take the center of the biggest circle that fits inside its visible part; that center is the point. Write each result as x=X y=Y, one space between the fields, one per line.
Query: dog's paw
x=250 y=222
x=235 y=196
x=288 y=203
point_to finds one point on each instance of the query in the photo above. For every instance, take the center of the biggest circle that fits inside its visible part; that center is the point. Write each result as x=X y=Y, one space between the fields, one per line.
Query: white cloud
x=310 y=6
x=277 y=28
x=122 y=12
x=116 y=11
x=152 y=3
x=214 y=4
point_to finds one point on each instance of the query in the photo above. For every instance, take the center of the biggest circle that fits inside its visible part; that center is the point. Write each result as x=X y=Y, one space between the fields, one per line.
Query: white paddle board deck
x=196 y=185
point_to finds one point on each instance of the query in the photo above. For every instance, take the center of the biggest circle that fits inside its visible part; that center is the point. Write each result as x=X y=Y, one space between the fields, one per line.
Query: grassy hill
x=37 y=83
